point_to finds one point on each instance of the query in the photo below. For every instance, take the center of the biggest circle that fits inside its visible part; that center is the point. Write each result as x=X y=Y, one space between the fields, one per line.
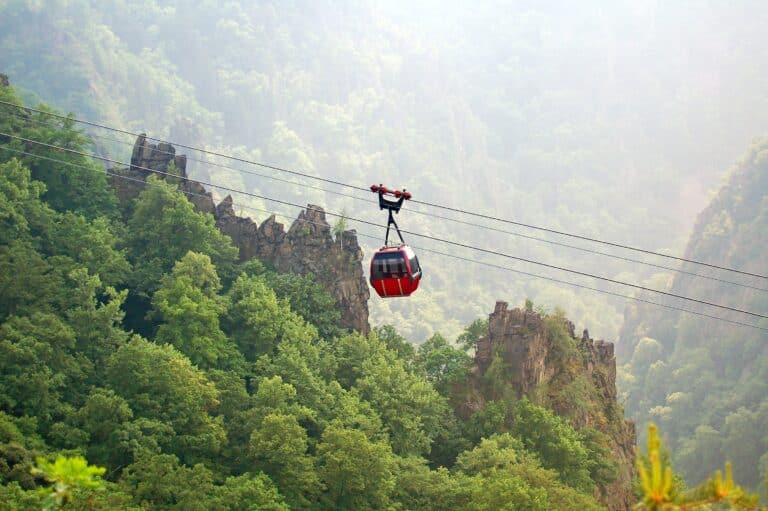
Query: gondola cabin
x=395 y=271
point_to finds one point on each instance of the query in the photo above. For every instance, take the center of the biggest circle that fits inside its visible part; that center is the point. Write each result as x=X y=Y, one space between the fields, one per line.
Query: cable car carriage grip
x=395 y=269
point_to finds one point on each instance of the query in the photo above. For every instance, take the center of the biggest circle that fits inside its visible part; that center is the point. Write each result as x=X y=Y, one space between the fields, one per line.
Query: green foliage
x=557 y=444
x=28 y=281
x=308 y=299
x=340 y=226
x=419 y=488
x=163 y=227
x=528 y=305
x=472 y=333
x=22 y=213
x=103 y=417
x=397 y=343
x=444 y=365
x=247 y=492
x=160 y=482
x=603 y=469
x=160 y=384
x=279 y=448
x=659 y=491
x=19 y=448
x=491 y=419
x=189 y=306
x=97 y=324
x=73 y=182
x=14 y=498
x=410 y=408
x=356 y=472
x=563 y=346
x=92 y=244
x=67 y=475
x=498 y=490
x=37 y=367
x=257 y=321
x=506 y=476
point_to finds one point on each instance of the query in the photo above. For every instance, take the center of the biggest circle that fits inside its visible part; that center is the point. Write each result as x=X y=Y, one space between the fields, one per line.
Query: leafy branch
x=67 y=475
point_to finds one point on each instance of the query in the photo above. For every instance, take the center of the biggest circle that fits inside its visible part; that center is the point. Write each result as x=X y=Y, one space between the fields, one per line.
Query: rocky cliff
x=575 y=377
x=307 y=247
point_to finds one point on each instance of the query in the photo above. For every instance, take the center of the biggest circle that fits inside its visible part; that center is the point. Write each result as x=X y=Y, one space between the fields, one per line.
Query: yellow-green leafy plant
x=660 y=491
x=67 y=474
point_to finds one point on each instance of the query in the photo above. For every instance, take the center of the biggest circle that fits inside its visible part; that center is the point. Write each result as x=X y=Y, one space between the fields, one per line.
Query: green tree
x=556 y=443
x=20 y=446
x=410 y=408
x=248 y=492
x=445 y=365
x=472 y=333
x=164 y=226
x=493 y=418
x=103 y=418
x=159 y=481
x=189 y=307
x=256 y=320
x=73 y=182
x=22 y=212
x=397 y=343
x=28 y=281
x=298 y=364
x=161 y=384
x=278 y=447
x=418 y=488
x=97 y=325
x=272 y=396
x=92 y=244
x=356 y=472
x=38 y=373
x=340 y=226
x=498 y=490
x=745 y=440
x=309 y=300
x=504 y=475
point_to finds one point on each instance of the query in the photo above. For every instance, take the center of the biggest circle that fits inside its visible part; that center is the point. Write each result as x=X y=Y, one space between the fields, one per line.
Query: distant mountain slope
x=704 y=381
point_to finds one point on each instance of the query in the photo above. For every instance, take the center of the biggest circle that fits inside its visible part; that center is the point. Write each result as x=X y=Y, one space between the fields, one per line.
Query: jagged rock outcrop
x=522 y=340
x=4 y=82
x=307 y=247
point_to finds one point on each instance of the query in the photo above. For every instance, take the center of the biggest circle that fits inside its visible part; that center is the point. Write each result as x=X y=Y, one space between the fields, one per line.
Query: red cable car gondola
x=395 y=270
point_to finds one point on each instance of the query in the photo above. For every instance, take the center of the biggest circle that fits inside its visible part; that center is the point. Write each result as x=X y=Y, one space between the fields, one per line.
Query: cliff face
x=307 y=246
x=533 y=366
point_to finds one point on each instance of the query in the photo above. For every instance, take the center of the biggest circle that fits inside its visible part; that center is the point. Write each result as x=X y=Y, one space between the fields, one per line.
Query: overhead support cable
x=425 y=203
x=433 y=238
x=434 y=215
x=425 y=249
